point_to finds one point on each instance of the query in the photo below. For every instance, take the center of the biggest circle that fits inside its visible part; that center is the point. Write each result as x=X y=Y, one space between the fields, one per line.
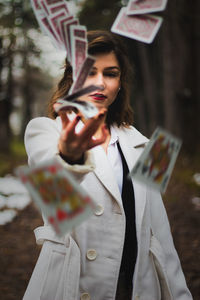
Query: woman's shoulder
x=42 y=123
x=132 y=133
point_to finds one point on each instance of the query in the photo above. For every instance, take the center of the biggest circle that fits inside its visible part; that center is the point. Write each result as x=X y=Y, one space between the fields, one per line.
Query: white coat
x=85 y=264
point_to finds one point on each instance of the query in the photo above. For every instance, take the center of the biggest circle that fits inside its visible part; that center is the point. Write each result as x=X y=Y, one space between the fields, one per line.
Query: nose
x=99 y=80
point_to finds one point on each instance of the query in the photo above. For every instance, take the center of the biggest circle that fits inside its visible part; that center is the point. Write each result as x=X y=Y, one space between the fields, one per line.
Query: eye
x=92 y=73
x=112 y=74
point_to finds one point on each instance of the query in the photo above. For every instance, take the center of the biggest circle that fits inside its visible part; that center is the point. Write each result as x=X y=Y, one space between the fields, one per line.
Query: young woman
x=125 y=250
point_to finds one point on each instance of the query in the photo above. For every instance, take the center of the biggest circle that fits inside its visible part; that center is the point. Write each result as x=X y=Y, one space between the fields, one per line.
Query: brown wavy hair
x=102 y=42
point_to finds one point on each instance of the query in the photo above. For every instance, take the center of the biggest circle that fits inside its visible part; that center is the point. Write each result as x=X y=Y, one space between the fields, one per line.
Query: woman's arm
x=41 y=142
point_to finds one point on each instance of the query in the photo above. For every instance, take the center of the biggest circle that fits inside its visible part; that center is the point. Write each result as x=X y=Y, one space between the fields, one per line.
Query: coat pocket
x=159 y=264
x=62 y=277
x=52 y=287
x=57 y=271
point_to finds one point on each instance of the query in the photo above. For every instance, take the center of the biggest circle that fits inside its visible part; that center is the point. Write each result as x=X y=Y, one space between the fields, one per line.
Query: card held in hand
x=155 y=165
x=61 y=199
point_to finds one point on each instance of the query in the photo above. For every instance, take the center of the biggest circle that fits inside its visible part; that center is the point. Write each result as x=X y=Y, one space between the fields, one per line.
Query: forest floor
x=19 y=253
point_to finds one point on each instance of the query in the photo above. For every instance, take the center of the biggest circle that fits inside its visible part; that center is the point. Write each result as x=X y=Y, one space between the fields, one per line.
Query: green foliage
x=13 y=158
x=17 y=148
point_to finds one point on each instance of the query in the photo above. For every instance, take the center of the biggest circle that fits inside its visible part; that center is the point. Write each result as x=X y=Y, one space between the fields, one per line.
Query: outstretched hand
x=72 y=145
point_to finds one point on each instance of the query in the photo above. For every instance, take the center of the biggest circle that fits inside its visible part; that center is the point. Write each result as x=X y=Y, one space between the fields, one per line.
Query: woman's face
x=105 y=73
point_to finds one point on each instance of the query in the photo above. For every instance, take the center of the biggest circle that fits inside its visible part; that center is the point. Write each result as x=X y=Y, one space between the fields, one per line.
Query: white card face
x=61 y=199
x=145 y=6
x=87 y=109
x=155 y=165
x=141 y=27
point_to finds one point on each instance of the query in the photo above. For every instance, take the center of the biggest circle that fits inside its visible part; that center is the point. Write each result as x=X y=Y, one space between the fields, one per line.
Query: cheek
x=115 y=88
x=87 y=82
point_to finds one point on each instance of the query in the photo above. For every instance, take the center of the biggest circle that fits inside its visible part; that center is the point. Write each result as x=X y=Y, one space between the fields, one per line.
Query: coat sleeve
x=41 y=143
x=59 y=260
x=163 y=247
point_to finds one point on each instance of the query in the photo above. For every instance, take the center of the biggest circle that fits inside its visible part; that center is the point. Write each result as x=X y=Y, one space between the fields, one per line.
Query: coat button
x=85 y=296
x=98 y=210
x=91 y=254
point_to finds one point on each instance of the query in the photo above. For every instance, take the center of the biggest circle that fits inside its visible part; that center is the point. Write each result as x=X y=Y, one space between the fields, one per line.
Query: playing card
x=49 y=30
x=155 y=165
x=54 y=21
x=71 y=102
x=61 y=25
x=79 y=53
x=58 y=6
x=87 y=109
x=66 y=34
x=145 y=6
x=36 y=6
x=44 y=6
x=61 y=199
x=142 y=28
x=38 y=10
x=78 y=31
x=83 y=91
x=83 y=73
x=51 y=2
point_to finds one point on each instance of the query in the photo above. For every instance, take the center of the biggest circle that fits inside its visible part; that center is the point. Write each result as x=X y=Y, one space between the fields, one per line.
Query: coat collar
x=132 y=144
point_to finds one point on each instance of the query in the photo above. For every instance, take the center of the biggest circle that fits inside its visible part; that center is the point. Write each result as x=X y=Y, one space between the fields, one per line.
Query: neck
x=105 y=144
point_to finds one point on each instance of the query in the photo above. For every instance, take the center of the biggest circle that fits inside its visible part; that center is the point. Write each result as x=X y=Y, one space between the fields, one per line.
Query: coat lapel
x=105 y=173
x=132 y=144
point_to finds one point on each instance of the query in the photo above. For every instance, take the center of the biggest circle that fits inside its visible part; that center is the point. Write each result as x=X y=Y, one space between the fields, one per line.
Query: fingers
x=62 y=114
x=101 y=140
x=72 y=125
x=92 y=125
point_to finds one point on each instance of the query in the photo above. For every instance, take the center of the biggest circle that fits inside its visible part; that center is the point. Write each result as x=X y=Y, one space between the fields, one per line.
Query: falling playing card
x=61 y=25
x=87 y=109
x=54 y=21
x=71 y=102
x=53 y=8
x=83 y=91
x=61 y=199
x=78 y=31
x=155 y=165
x=49 y=30
x=83 y=73
x=142 y=28
x=145 y=6
x=79 y=53
x=44 y=6
x=66 y=34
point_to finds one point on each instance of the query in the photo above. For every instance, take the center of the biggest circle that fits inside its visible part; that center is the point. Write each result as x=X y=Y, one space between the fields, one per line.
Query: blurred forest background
x=166 y=92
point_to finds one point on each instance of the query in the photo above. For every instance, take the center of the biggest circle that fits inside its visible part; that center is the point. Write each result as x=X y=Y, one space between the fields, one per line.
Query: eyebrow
x=110 y=68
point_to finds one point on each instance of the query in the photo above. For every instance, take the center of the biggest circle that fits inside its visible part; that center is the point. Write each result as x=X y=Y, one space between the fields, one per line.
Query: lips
x=98 y=96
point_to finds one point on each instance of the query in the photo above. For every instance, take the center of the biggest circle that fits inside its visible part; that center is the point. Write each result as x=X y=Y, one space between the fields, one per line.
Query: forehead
x=106 y=60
